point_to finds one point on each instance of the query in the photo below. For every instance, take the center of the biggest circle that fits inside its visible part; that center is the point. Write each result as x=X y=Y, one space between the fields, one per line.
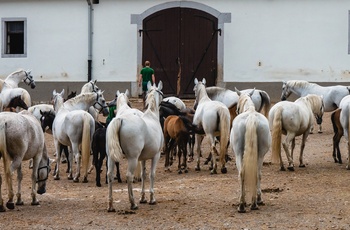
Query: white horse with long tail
x=136 y=138
x=74 y=127
x=293 y=119
x=250 y=139
x=332 y=95
x=21 y=139
x=11 y=90
x=344 y=118
x=214 y=118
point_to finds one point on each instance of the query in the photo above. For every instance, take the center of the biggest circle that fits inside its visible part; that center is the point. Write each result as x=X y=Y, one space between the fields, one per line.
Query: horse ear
x=251 y=92
x=204 y=81
x=95 y=81
x=149 y=85
x=29 y=71
x=238 y=92
x=117 y=93
x=160 y=85
x=41 y=112
x=62 y=93
x=195 y=81
x=127 y=93
x=54 y=92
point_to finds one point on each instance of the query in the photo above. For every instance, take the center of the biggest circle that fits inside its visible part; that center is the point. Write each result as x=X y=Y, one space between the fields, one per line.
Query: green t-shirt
x=111 y=114
x=147 y=73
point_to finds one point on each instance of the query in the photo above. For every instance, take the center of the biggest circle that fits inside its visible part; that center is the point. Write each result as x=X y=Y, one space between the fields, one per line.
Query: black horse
x=98 y=147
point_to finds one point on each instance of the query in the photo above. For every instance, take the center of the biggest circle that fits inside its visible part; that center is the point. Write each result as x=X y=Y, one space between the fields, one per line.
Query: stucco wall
x=266 y=41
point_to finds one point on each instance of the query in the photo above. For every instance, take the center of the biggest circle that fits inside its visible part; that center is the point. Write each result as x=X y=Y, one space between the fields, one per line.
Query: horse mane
x=315 y=102
x=16 y=72
x=150 y=100
x=78 y=98
x=299 y=83
x=244 y=100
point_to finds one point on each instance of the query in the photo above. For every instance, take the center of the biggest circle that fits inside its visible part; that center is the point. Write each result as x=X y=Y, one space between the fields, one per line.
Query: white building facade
x=259 y=42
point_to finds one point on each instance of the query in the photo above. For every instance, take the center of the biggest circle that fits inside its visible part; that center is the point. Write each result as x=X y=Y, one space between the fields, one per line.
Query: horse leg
x=58 y=160
x=2 y=207
x=191 y=143
x=19 y=187
x=214 y=153
x=154 y=162
x=119 y=179
x=97 y=163
x=285 y=145
x=302 y=146
x=66 y=153
x=242 y=203
x=132 y=164
x=199 y=139
x=348 y=166
x=76 y=154
x=110 y=169
x=179 y=153
x=36 y=161
x=292 y=149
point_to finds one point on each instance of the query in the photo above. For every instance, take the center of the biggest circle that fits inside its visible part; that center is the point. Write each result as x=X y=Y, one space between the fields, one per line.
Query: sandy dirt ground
x=314 y=197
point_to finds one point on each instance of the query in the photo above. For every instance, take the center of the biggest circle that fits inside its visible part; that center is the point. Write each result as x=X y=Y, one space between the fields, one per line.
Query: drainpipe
x=90 y=11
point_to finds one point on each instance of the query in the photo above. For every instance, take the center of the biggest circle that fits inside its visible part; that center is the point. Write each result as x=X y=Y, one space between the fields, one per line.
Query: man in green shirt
x=146 y=75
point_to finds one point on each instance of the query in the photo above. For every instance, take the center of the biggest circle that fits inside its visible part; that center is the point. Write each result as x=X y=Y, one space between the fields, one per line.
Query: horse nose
x=41 y=190
x=283 y=98
x=32 y=85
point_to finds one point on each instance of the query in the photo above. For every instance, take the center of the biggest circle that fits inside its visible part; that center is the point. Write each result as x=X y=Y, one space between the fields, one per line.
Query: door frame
x=222 y=19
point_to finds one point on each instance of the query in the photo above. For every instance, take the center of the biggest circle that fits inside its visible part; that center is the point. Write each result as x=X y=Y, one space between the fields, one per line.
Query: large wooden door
x=181 y=44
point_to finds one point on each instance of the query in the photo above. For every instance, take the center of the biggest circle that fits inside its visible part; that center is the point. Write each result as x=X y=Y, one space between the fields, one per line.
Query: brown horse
x=338 y=133
x=177 y=131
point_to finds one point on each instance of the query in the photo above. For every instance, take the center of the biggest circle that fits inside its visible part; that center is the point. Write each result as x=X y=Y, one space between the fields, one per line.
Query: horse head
x=285 y=91
x=46 y=119
x=151 y=90
x=43 y=172
x=199 y=88
x=57 y=100
x=29 y=80
x=90 y=87
x=100 y=103
x=244 y=101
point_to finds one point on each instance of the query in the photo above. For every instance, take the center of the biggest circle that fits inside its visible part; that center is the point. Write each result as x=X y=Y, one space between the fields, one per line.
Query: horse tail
x=250 y=157
x=26 y=98
x=4 y=154
x=265 y=102
x=277 y=135
x=113 y=147
x=86 y=143
x=224 y=115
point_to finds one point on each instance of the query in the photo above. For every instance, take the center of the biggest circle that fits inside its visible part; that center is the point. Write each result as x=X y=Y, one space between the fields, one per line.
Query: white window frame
x=4 y=38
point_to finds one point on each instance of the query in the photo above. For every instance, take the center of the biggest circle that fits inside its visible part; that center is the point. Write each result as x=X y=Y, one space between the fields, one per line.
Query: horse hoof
x=224 y=170
x=56 y=178
x=291 y=168
x=241 y=208
x=19 y=203
x=179 y=172
x=211 y=168
x=111 y=210
x=76 y=180
x=348 y=167
x=302 y=166
x=70 y=178
x=254 y=207
x=197 y=169
x=85 y=180
x=212 y=172
x=10 y=205
x=64 y=161
x=152 y=202
x=2 y=208
x=35 y=203
x=143 y=201
x=186 y=170
x=134 y=207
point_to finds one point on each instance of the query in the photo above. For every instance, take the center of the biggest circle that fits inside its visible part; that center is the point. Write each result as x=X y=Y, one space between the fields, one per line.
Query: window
x=14 y=42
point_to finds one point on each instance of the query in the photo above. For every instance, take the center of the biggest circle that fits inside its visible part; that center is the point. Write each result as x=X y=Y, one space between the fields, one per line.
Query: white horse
x=345 y=122
x=214 y=118
x=332 y=95
x=137 y=139
x=90 y=87
x=260 y=98
x=17 y=144
x=73 y=126
x=175 y=101
x=293 y=119
x=250 y=139
x=10 y=87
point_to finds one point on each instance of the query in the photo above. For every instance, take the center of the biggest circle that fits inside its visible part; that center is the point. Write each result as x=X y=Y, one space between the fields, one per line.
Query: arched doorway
x=183 y=41
x=181 y=44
